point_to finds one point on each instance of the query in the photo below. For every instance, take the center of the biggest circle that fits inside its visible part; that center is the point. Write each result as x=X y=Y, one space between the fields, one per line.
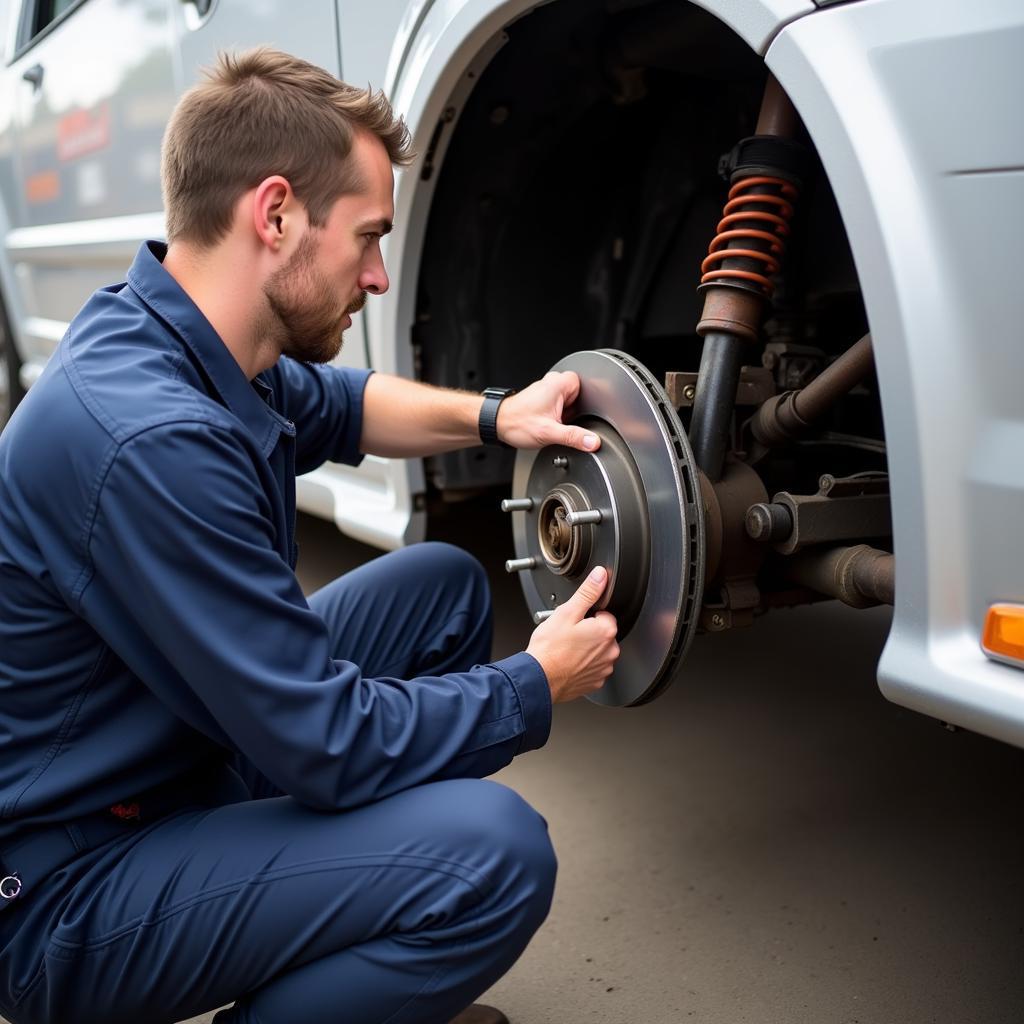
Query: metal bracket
x=755 y=387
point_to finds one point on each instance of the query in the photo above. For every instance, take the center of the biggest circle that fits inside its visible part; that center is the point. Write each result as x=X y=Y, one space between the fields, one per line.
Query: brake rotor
x=632 y=506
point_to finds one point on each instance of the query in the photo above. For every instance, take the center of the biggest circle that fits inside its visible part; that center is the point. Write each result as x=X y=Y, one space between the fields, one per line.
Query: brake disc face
x=633 y=506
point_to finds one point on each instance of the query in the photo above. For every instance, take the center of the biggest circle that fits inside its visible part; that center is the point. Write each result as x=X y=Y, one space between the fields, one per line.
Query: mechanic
x=213 y=789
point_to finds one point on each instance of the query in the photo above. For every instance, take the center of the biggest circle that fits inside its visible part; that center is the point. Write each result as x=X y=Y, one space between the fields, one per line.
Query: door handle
x=34 y=75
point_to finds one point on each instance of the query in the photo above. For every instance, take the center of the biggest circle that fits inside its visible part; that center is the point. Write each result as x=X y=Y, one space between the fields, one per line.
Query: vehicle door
x=93 y=88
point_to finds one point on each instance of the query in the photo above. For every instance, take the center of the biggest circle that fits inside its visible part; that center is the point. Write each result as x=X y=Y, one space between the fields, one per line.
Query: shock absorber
x=765 y=173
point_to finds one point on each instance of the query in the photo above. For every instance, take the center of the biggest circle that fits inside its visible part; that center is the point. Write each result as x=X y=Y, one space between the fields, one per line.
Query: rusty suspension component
x=859 y=576
x=786 y=416
x=850 y=508
x=766 y=173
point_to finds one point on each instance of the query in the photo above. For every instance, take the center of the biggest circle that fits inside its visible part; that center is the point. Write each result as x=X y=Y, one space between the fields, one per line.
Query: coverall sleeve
x=326 y=405
x=182 y=551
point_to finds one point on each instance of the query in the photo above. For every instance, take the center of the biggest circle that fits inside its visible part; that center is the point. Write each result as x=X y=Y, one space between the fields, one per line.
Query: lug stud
x=560 y=462
x=539 y=617
x=520 y=564
x=582 y=518
x=517 y=505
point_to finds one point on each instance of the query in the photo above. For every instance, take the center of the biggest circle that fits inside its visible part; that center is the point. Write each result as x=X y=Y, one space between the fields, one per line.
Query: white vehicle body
x=911 y=106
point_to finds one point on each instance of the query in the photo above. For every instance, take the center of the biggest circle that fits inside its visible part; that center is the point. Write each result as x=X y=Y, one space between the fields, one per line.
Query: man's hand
x=577 y=653
x=533 y=417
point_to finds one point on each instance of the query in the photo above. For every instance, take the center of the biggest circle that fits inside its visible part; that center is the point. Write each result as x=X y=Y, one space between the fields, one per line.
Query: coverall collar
x=248 y=400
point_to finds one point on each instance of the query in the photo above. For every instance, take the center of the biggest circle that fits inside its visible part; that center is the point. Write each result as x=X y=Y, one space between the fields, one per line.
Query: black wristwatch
x=488 y=423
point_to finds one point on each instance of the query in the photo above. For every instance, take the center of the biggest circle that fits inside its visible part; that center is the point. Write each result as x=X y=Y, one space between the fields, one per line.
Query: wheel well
x=576 y=201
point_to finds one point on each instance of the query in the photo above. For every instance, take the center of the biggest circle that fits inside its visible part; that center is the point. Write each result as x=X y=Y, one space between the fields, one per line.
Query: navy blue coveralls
x=153 y=634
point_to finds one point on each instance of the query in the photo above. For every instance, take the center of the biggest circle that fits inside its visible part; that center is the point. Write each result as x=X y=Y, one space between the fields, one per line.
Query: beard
x=305 y=314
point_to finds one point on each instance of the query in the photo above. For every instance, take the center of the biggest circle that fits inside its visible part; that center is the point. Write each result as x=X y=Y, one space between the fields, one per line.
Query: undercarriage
x=638 y=201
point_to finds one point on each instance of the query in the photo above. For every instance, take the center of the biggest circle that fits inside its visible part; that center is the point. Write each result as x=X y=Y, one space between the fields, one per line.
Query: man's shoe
x=480 y=1014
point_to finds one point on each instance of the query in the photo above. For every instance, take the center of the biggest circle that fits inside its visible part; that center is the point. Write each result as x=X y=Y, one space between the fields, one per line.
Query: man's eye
x=371 y=236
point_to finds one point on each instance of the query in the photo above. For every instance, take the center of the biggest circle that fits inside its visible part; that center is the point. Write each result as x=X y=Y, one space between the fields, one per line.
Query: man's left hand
x=532 y=418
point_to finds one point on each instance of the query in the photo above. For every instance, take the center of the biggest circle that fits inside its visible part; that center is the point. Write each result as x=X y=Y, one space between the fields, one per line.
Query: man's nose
x=374 y=278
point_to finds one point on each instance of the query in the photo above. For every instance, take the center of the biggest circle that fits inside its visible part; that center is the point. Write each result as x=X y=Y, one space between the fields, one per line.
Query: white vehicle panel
x=913 y=108
x=368 y=34
x=88 y=135
x=757 y=23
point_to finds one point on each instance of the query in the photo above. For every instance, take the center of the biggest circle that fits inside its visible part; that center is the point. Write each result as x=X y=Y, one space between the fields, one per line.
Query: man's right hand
x=577 y=653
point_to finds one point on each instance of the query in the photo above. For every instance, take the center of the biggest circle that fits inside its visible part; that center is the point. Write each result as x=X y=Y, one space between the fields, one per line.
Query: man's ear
x=275 y=211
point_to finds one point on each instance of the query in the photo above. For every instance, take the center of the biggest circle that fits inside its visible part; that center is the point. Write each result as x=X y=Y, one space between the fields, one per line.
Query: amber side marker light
x=1003 y=637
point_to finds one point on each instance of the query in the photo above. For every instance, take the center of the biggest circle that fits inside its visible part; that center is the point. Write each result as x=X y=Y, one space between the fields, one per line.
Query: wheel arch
x=438 y=54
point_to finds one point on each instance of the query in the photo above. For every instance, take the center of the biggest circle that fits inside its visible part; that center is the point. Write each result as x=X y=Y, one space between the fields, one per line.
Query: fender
x=756 y=22
x=928 y=189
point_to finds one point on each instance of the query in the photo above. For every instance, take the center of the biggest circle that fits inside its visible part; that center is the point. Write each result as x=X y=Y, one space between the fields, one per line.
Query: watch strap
x=488 y=422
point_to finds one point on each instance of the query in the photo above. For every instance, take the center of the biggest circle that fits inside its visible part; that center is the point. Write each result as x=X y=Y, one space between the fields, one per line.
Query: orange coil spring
x=738 y=222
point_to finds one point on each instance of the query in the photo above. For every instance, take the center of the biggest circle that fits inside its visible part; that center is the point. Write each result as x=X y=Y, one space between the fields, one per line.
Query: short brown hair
x=259 y=113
